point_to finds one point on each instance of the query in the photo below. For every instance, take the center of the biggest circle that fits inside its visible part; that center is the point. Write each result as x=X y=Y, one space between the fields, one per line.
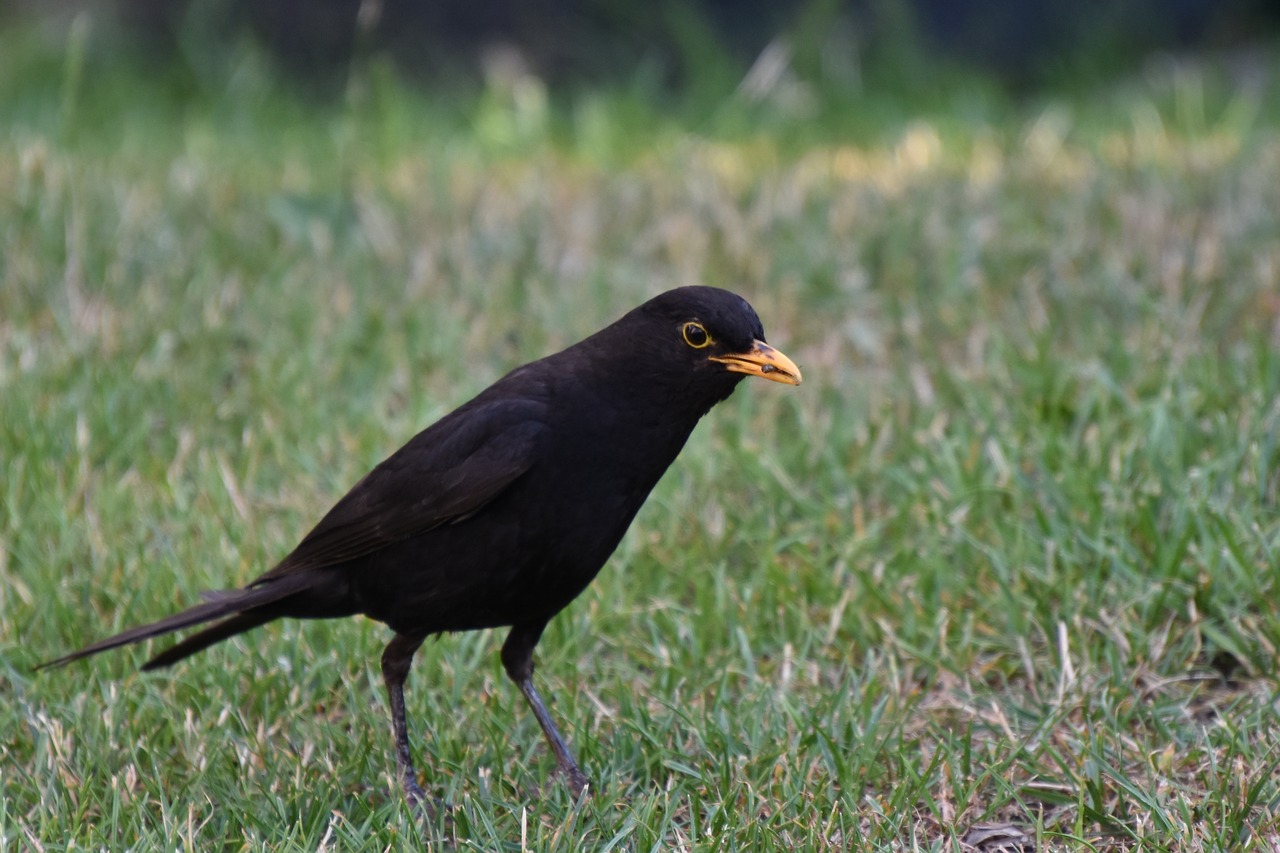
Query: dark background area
x=1024 y=45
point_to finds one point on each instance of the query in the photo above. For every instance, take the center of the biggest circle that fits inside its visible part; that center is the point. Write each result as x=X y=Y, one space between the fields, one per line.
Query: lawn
x=1007 y=558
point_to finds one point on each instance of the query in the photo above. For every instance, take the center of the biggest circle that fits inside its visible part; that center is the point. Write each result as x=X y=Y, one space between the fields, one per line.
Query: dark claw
x=425 y=806
x=415 y=796
x=576 y=780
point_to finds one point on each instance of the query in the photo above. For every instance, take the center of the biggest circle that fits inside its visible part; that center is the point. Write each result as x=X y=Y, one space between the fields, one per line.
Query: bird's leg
x=517 y=659
x=396 y=660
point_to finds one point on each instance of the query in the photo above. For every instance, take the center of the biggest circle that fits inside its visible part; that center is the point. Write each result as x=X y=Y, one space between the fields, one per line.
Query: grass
x=1008 y=557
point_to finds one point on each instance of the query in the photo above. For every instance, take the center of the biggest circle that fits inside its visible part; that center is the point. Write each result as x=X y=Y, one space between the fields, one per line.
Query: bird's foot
x=422 y=803
x=576 y=780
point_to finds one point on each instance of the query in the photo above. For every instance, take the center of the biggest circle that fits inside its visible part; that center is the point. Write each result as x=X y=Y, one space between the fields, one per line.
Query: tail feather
x=237 y=624
x=233 y=603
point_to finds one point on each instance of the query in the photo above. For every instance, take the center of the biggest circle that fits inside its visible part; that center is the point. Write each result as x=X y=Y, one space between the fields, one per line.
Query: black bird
x=501 y=512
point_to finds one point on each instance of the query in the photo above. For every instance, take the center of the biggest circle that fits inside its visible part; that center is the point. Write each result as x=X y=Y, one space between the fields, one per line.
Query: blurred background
x=668 y=45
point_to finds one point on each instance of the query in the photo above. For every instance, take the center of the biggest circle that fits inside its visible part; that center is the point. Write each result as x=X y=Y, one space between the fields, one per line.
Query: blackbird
x=502 y=512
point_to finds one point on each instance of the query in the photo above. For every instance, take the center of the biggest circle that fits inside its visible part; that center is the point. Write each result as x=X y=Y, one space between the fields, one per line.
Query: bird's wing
x=446 y=473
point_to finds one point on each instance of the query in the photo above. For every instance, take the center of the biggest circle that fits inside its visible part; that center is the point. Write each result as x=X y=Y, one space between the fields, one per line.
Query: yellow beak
x=762 y=360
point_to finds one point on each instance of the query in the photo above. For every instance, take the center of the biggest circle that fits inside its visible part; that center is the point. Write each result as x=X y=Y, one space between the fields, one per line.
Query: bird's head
x=702 y=341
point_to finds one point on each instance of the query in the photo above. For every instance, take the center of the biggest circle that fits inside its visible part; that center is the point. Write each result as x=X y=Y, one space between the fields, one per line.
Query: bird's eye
x=695 y=335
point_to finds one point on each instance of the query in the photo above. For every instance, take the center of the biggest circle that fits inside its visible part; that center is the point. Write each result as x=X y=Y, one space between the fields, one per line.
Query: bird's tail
x=239 y=610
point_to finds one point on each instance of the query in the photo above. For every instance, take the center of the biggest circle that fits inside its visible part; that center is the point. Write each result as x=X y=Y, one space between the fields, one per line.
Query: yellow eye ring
x=695 y=335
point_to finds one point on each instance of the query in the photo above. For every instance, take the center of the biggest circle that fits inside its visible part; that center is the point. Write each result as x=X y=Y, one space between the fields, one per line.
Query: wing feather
x=444 y=474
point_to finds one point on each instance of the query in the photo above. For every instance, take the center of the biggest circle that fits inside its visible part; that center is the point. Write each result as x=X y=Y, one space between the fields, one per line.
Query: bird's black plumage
x=501 y=512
